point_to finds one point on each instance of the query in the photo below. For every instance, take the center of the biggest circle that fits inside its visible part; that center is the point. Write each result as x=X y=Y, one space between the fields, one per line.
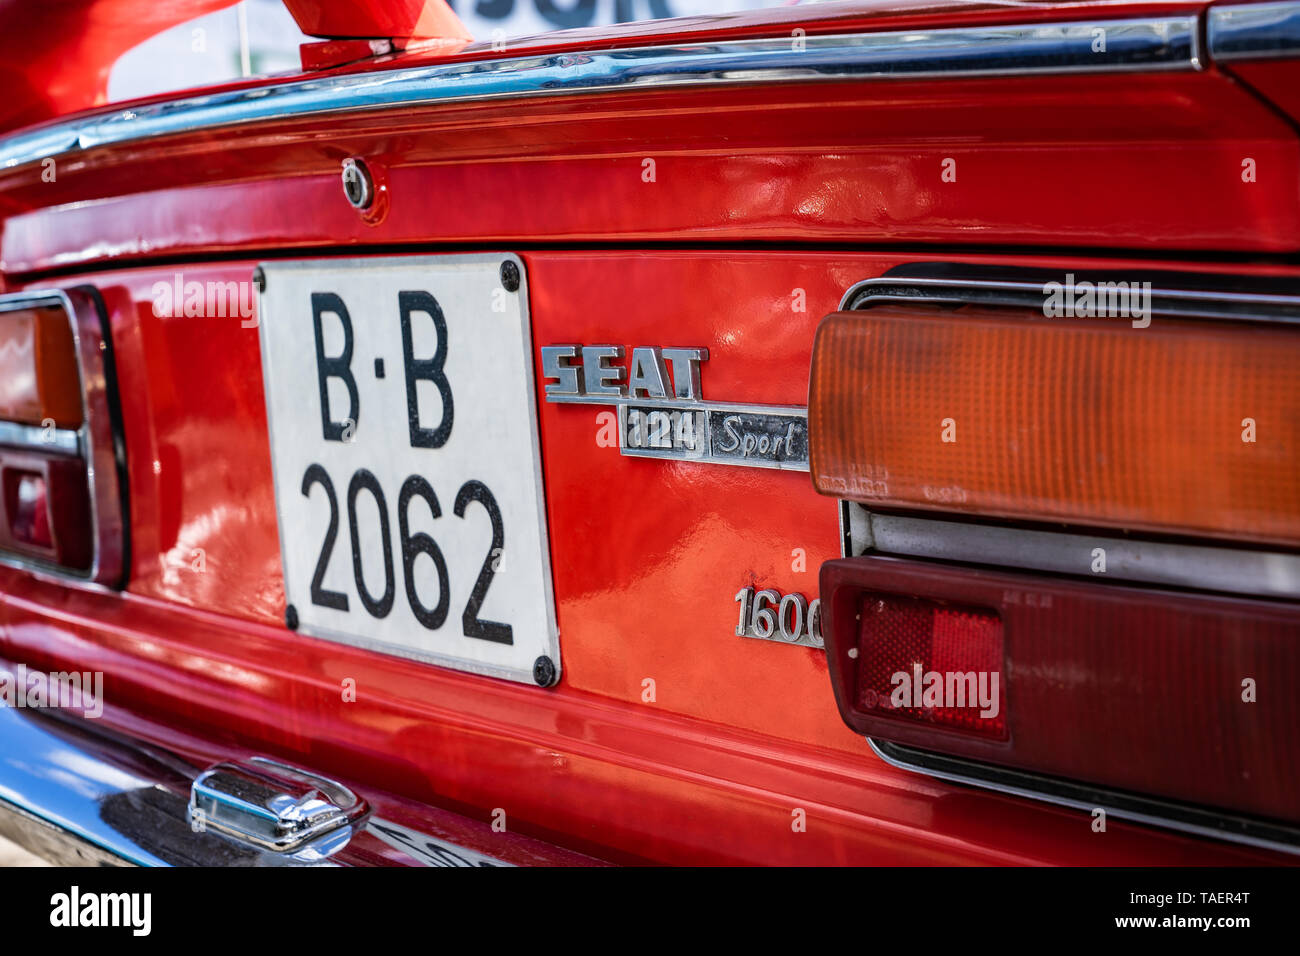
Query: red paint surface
x=1146 y=161
x=1277 y=81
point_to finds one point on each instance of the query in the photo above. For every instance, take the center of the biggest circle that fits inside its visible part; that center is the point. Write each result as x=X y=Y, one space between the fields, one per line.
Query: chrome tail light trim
x=1240 y=305
x=56 y=441
x=1069 y=793
x=1271 y=574
x=99 y=439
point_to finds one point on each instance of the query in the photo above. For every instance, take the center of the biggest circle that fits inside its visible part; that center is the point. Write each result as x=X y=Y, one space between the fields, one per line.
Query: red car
x=861 y=433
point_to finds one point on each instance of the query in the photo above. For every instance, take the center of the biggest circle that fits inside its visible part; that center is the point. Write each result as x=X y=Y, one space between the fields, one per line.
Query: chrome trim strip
x=1255 y=31
x=1177 y=303
x=96 y=438
x=1269 y=574
x=1067 y=793
x=1159 y=43
x=59 y=441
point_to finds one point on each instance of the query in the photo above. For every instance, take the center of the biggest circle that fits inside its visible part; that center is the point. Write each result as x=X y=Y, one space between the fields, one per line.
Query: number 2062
x=412 y=545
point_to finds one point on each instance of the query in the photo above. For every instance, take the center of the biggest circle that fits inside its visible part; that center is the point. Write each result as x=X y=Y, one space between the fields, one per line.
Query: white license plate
x=403 y=428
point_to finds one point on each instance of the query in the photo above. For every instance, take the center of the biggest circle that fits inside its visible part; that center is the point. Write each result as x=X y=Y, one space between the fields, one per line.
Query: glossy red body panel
x=1115 y=163
x=742 y=732
x=773 y=189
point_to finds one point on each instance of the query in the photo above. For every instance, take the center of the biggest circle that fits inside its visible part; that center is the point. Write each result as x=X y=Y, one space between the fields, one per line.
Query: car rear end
x=620 y=446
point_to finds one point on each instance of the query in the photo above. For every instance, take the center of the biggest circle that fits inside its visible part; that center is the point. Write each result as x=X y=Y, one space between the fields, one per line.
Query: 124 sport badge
x=402 y=418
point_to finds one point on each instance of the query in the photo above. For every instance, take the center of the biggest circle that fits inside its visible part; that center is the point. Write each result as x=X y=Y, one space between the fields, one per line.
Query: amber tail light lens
x=39 y=379
x=1177 y=696
x=1185 y=426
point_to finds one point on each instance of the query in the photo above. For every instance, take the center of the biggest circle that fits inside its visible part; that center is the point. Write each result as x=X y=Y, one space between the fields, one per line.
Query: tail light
x=61 y=459
x=1185 y=697
x=1186 y=427
x=1164 y=705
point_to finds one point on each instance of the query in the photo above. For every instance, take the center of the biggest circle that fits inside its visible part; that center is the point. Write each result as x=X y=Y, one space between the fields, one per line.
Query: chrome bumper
x=77 y=795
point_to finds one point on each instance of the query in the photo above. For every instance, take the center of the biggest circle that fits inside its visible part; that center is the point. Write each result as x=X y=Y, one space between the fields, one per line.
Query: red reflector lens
x=1143 y=691
x=30 y=517
x=45 y=509
x=930 y=663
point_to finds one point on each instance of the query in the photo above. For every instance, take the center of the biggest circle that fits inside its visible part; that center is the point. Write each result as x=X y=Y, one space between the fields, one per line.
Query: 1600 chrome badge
x=661 y=413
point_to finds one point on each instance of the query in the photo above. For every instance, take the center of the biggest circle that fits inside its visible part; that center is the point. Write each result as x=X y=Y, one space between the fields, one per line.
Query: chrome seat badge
x=661 y=413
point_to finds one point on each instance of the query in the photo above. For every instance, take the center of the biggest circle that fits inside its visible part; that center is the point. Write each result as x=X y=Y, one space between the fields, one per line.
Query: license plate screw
x=544 y=671
x=510 y=275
